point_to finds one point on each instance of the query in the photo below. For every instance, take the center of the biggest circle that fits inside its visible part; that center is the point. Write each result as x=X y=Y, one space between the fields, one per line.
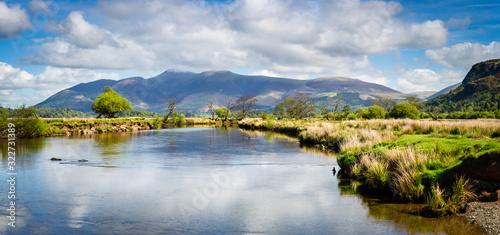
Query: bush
x=263 y=117
x=351 y=116
x=156 y=123
x=374 y=112
x=27 y=125
x=425 y=115
x=404 y=110
x=330 y=116
x=181 y=119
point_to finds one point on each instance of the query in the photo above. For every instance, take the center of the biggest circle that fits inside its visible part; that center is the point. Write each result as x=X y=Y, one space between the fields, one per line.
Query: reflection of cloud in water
x=214 y=181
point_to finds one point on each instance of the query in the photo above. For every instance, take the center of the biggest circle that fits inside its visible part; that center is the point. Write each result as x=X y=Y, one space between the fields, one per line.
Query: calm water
x=193 y=180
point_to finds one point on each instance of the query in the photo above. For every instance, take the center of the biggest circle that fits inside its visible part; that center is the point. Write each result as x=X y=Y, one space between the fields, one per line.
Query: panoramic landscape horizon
x=249 y=116
x=48 y=46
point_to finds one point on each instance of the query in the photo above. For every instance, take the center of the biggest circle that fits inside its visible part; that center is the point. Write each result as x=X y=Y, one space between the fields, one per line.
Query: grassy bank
x=408 y=160
x=36 y=127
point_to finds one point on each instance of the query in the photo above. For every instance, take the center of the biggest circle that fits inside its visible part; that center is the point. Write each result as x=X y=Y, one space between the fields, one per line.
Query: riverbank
x=407 y=160
x=91 y=126
x=484 y=214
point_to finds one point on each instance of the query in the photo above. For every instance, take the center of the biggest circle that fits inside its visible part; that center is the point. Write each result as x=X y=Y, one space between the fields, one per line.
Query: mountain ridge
x=195 y=89
x=480 y=90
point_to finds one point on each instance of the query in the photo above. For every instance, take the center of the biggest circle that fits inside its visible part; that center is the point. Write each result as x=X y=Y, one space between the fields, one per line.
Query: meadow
x=408 y=160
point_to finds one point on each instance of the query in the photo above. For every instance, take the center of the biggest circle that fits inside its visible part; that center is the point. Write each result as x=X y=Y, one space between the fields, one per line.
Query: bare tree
x=333 y=114
x=244 y=105
x=210 y=105
x=228 y=108
x=170 y=107
x=385 y=102
x=301 y=106
x=324 y=107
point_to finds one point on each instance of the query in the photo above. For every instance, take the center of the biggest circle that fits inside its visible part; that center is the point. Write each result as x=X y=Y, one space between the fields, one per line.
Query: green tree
x=4 y=116
x=404 y=110
x=221 y=112
x=374 y=112
x=346 y=111
x=279 y=111
x=110 y=104
x=414 y=101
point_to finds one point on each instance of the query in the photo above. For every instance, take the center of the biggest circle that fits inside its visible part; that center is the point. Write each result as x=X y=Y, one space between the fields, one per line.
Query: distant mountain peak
x=194 y=89
x=216 y=72
x=337 y=78
x=178 y=71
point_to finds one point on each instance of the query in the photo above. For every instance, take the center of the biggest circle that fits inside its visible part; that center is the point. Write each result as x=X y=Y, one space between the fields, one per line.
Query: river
x=192 y=180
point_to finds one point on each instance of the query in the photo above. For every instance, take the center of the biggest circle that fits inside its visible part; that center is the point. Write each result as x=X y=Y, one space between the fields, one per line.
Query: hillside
x=195 y=89
x=480 y=90
x=443 y=91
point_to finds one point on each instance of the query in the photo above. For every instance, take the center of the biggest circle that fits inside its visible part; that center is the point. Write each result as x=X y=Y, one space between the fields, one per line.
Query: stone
x=494 y=196
x=55 y=159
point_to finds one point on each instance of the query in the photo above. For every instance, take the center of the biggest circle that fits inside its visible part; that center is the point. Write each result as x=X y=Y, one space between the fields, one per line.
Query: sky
x=411 y=45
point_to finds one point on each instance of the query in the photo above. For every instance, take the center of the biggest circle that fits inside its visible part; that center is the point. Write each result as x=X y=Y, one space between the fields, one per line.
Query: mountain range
x=194 y=90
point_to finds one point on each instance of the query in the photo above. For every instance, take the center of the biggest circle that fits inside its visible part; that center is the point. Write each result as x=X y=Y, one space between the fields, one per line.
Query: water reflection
x=193 y=180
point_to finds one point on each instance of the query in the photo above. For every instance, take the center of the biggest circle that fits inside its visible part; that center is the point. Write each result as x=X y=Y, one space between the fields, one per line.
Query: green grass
x=406 y=158
x=459 y=148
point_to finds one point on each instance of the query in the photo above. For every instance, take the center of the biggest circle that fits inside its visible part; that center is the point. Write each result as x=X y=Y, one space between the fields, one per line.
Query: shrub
x=374 y=112
x=27 y=125
x=181 y=119
x=263 y=117
x=404 y=110
x=351 y=116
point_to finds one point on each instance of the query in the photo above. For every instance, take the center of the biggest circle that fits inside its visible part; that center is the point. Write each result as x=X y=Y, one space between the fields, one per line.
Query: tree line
x=111 y=104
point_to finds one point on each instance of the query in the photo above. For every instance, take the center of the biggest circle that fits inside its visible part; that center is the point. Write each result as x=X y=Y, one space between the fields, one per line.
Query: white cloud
x=12 y=78
x=79 y=32
x=293 y=38
x=58 y=78
x=427 y=80
x=19 y=86
x=464 y=55
x=39 y=6
x=13 y=20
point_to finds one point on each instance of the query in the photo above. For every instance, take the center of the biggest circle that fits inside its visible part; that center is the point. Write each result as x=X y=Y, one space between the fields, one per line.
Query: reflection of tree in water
x=290 y=142
x=112 y=145
x=25 y=150
x=405 y=218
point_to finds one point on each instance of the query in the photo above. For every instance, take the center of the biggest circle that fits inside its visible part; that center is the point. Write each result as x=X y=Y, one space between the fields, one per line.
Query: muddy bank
x=98 y=128
x=126 y=126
